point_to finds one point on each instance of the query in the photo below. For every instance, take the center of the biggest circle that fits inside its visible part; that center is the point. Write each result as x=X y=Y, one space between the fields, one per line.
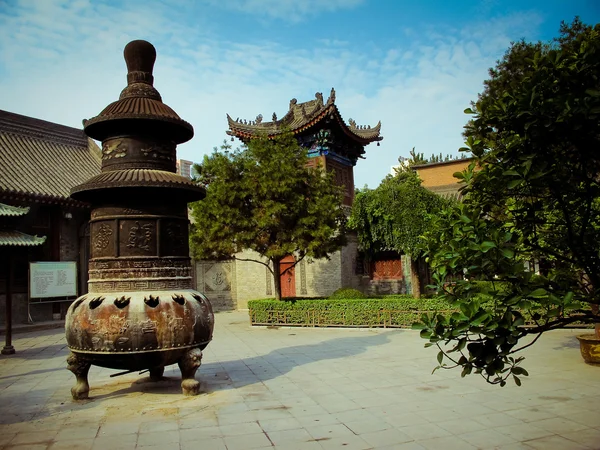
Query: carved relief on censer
x=141 y=312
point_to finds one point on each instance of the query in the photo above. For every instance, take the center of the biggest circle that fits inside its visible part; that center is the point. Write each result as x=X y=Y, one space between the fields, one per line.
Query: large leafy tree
x=393 y=216
x=532 y=193
x=264 y=198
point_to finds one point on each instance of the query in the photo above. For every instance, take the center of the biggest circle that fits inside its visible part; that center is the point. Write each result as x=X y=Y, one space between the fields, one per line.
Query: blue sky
x=414 y=65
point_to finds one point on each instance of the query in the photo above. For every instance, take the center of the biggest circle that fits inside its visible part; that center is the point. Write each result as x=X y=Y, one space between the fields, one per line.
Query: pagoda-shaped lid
x=139 y=102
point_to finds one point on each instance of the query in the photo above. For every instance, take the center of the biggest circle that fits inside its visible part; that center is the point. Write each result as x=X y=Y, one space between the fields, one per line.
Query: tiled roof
x=12 y=211
x=16 y=238
x=300 y=117
x=44 y=159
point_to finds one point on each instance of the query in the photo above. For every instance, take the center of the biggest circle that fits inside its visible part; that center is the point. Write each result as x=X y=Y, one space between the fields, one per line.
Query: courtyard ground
x=301 y=388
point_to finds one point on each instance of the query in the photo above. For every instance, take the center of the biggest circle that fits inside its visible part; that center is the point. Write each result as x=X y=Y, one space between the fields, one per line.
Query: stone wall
x=230 y=284
x=39 y=312
x=216 y=280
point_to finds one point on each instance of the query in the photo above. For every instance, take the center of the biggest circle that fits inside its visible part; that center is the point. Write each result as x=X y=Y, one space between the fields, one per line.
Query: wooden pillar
x=8 y=348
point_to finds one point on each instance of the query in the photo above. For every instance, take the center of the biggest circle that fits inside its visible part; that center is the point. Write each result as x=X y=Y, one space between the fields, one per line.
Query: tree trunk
x=415 y=280
x=595 y=310
x=277 y=277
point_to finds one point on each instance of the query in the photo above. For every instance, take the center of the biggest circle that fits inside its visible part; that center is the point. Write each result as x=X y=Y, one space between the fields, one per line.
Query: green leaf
x=514 y=183
x=517 y=380
x=440 y=357
x=487 y=246
x=540 y=292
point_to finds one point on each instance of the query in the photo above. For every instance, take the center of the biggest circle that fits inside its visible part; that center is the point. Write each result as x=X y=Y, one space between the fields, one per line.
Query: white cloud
x=290 y=10
x=63 y=62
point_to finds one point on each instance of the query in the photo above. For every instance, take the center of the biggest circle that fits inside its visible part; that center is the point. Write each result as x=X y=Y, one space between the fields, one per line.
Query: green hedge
x=344 y=293
x=399 y=311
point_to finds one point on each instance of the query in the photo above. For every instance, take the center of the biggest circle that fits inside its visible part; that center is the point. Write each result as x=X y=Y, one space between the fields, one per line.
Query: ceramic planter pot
x=589 y=345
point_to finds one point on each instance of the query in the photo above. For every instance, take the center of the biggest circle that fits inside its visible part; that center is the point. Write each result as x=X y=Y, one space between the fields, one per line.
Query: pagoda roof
x=12 y=211
x=42 y=160
x=300 y=117
x=18 y=239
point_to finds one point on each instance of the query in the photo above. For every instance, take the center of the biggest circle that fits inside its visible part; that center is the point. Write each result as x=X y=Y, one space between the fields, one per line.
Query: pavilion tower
x=319 y=127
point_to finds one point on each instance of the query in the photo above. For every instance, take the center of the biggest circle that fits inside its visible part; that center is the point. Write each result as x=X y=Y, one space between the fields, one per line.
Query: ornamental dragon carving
x=115 y=148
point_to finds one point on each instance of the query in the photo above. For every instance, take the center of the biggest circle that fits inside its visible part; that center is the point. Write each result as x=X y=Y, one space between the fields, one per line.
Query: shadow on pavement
x=214 y=376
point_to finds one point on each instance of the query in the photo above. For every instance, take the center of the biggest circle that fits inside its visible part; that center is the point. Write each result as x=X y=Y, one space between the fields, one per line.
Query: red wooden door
x=287 y=277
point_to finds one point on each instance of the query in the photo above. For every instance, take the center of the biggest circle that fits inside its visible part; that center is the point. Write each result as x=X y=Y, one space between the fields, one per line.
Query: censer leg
x=80 y=369
x=188 y=365
x=156 y=373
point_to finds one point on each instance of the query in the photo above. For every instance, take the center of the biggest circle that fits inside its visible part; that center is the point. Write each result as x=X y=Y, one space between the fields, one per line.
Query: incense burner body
x=141 y=312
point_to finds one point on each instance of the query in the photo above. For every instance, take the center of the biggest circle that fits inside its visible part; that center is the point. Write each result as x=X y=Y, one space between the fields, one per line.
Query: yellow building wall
x=441 y=174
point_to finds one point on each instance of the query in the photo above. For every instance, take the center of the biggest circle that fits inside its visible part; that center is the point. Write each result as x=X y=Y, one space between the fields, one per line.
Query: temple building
x=334 y=144
x=40 y=162
x=319 y=127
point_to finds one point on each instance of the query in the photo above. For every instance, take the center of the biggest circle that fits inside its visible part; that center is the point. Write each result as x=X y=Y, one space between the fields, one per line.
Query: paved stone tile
x=258 y=440
x=76 y=444
x=208 y=444
x=461 y=426
x=27 y=447
x=351 y=442
x=591 y=418
x=317 y=420
x=523 y=432
x=446 y=443
x=560 y=425
x=589 y=437
x=555 y=443
x=531 y=414
x=240 y=429
x=33 y=437
x=367 y=425
x=165 y=438
x=285 y=437
x=497 y=420
x=115 y=442
x=330 y=383
x=486 y=438
x=333 y=430
x=386 y=437
x=513 y=446
x=422 y=431
x=199 y=434
x=117 y=429
x=405 y=446
x=289 y=423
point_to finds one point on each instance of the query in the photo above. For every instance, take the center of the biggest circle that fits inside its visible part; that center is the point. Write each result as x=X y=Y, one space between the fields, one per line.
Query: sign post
x=52 y=280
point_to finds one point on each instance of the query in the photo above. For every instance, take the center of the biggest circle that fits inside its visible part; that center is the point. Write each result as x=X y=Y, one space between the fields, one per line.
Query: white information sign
x=52 y=279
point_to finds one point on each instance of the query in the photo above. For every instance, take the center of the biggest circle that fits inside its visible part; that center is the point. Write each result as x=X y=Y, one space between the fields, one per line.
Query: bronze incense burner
x=141 y=312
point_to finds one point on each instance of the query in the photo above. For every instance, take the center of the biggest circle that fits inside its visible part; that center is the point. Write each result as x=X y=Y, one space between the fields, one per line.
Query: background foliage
x=532 y=194
x=264 y=198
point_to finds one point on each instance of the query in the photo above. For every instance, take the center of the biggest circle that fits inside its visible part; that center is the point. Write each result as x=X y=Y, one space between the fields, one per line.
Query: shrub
x=399 y=311
x=347 y=293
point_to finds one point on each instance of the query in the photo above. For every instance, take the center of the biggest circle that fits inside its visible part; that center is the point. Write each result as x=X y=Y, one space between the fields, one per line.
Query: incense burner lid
x=139 y=102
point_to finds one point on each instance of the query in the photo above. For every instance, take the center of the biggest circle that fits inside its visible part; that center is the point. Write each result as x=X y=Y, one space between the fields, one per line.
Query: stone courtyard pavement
x=302 y=388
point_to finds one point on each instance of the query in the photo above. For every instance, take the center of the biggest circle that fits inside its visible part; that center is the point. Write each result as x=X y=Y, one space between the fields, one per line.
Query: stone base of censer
x=134 y=331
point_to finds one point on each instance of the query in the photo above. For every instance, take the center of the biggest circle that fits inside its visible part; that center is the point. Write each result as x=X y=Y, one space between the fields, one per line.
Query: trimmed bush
x=346 y=293
x=400 y=311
